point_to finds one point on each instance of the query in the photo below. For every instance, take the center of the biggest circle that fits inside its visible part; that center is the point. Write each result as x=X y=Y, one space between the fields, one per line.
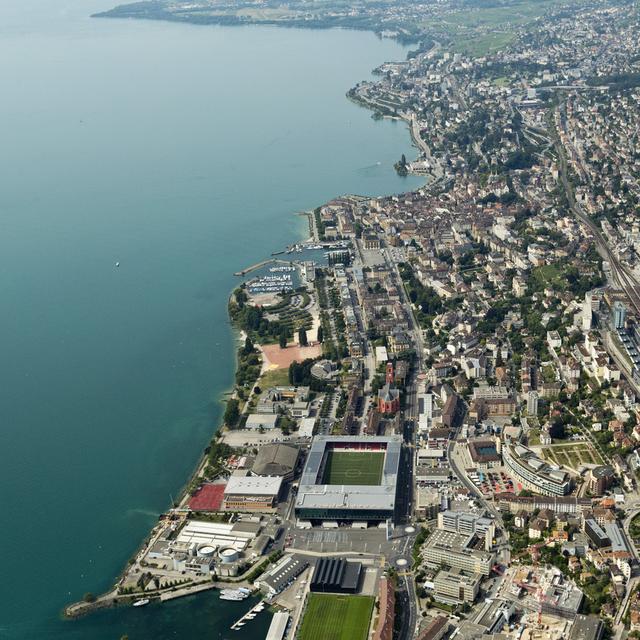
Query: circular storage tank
x=206 y=550
x=228 y=555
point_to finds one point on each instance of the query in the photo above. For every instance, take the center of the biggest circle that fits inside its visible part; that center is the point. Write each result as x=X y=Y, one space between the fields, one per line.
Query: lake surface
x=182 y=152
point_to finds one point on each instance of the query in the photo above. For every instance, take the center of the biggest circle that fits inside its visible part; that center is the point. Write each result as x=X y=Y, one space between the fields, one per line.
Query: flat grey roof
x=615 y=535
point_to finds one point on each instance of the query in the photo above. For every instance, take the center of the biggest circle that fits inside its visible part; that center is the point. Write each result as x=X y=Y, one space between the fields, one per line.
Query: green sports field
x=353 y=467
x=336 y=617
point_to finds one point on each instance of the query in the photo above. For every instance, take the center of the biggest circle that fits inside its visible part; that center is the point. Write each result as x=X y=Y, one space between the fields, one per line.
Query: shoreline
x=112 y=598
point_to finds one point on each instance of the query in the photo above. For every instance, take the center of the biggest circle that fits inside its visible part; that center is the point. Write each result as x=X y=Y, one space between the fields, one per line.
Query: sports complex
x=336 y=617
x=349 y=478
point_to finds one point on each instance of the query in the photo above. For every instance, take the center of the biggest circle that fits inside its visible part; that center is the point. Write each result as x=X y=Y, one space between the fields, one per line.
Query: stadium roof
x=356 y=497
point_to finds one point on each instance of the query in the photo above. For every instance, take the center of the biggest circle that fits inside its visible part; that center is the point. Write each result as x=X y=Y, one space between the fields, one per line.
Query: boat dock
x=250 y=615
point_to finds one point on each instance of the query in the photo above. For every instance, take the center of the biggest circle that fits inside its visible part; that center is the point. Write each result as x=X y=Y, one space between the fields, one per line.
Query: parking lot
x=493 y=481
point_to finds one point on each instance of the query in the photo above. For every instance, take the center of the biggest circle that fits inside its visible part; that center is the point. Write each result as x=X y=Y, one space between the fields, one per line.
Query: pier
x=250 y=615
x=261 y=264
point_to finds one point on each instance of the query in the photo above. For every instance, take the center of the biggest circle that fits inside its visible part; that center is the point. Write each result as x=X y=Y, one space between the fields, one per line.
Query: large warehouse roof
x=252 y=486
x=275 y=460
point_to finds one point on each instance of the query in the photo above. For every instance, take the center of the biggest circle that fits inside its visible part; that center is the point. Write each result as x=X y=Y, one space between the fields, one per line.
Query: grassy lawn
x=549 y=274
x=634 y=526
x=336 y=617
x=483 y=44
x=534 y=437
x=274 y=378
x=572 y=454
x=351 y=467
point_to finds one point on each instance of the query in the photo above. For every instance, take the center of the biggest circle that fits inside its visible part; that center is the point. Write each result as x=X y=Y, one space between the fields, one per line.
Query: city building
x=618 y=315
x=264 y=421
x=388 y=399
x=252 y=493
x=562 y=599
x=456 y=587
x=571 y=505
x=466 y=523
x=586 y=627
x=599 y=479
x=457 y=551
x=532 y=403
x=386 y=611
x=485 y=452
x=534 y=473
x=276 y=459
x=436 y=629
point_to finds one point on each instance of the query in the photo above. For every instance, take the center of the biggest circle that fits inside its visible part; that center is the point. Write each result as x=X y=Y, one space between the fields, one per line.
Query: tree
x=320 y=334
x=232 y=412
x=302 y=337
x=89 y=597
x=248 y=346
x=283 y=340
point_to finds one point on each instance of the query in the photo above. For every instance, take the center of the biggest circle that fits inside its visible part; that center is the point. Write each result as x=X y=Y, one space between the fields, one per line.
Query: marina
x=270 y=284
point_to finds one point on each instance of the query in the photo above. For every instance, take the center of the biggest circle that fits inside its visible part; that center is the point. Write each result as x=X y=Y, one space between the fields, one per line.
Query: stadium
x=349 y=479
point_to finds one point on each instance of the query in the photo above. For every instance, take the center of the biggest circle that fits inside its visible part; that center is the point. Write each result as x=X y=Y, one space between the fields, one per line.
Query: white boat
x=244 y=590
x=230 y=597
x=141 y=603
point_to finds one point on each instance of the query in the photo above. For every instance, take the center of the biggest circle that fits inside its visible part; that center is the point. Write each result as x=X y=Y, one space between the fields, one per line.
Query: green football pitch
x=336 y=617
x=353 y=467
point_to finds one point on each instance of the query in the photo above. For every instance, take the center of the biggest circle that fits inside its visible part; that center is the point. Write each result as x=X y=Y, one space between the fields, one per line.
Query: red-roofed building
x=387 y=596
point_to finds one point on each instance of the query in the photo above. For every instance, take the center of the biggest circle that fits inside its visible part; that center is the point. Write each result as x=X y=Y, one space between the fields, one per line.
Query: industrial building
x=336 y=575
x=200 y=544
x=320 y=500
x=250 y=493
x=282 y=574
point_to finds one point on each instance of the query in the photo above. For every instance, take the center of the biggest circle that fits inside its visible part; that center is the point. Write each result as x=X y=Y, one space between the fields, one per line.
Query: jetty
x=259 y=265
x=250 y=615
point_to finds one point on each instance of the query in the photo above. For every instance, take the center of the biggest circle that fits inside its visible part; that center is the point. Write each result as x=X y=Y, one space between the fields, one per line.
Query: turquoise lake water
x=181 y=152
